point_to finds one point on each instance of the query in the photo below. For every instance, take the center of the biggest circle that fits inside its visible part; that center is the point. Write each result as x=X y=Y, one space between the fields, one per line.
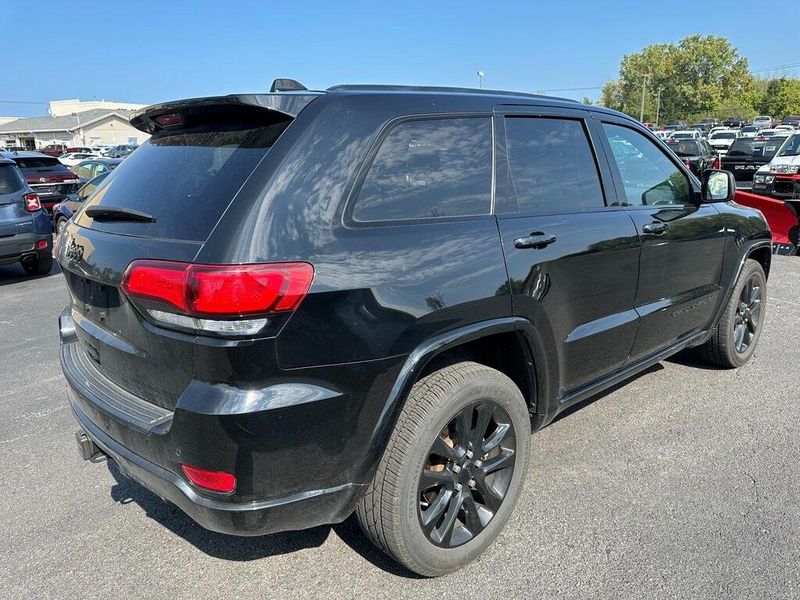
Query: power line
x=22 y=102
x=790 y=66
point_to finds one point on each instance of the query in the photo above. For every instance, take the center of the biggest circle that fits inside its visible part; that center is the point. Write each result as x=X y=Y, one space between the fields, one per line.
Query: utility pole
x=644 y=87
x=658 y=104
x=480 y=78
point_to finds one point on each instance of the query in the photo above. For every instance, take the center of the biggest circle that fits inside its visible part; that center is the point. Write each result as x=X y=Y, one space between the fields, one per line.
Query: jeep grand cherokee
x=288 y=307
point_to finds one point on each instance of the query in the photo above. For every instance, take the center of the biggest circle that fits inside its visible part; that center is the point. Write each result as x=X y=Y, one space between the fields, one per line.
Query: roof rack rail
x=440 y=89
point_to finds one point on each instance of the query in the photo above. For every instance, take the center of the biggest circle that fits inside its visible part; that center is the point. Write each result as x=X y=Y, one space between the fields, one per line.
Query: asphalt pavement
x=682 y=483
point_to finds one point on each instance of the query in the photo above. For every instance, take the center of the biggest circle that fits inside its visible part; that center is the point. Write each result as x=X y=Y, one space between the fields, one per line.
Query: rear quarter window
x=426 y=169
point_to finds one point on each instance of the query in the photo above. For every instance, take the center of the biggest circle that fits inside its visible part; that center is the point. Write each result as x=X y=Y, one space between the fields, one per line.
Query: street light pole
x=658 y=104
x=644 y=87
x=480 y=78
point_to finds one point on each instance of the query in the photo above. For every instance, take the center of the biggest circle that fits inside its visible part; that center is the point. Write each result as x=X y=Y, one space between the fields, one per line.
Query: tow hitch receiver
x=88 y=449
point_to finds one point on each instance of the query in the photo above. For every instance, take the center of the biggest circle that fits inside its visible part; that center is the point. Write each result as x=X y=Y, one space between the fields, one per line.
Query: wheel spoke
x=498 y=435
x=491 y=498
x=473 y=517
x=484 y=415
x=501 y=461
x=431 y=515
x=738 y=336
x=445 y=532
x=755 y=311
x=431 y=479
x=756 y=297
x=463 y=423
x=443 y=449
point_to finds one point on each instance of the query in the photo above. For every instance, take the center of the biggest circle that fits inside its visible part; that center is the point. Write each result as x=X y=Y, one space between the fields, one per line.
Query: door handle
x=655 y=228
x=536 y=239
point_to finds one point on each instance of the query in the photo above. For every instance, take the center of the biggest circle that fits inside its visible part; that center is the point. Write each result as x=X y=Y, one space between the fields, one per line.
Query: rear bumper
x=22 y=245
x=301 y=453
x=297 y=511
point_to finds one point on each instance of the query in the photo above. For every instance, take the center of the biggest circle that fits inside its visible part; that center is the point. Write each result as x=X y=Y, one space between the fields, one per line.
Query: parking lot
x=681 y=484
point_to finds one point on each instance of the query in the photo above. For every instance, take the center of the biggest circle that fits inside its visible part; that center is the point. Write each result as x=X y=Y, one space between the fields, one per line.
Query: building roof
x=65 y=123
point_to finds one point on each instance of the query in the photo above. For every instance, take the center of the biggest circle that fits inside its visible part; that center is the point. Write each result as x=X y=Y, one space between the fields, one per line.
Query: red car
x=54 y=149
x=51 y=180
x=781 y=217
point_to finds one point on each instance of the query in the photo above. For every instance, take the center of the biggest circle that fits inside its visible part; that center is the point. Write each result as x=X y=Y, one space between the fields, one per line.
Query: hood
x=780 y=160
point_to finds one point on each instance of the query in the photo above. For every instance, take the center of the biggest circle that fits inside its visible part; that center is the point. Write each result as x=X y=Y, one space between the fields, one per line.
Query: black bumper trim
x=296 y=511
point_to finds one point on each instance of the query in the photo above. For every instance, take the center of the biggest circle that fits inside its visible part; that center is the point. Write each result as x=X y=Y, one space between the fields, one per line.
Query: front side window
x=649 y=177
x=429 y=169
x=552 y=166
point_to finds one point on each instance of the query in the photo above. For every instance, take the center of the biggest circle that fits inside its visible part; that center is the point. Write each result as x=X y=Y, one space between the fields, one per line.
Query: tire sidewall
x=751 y=268
x=481 y=386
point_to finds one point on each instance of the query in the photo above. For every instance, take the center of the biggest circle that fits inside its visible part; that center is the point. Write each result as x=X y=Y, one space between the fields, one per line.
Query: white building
x=61 y=108
x=83 y=128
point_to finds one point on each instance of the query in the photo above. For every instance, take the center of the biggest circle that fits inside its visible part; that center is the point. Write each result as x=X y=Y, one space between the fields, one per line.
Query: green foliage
x=698 y=76
x=781 y=97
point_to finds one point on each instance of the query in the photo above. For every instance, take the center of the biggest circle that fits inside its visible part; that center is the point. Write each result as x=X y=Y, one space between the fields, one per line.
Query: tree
x=781 y=97
x=695 y=77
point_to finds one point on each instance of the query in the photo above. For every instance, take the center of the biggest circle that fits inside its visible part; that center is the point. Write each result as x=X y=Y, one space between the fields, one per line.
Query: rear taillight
x=715 y=164
x=32 y=203
x=216 y=481
x=223 y=299
x=688 y=163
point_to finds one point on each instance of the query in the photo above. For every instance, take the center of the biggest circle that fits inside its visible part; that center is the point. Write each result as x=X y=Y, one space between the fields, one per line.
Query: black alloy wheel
x=748 y=315
x=467 y=474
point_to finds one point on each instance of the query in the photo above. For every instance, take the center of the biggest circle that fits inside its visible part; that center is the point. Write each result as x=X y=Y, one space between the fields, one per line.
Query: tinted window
x=648 y=175
x=686 y=148
x=10 y=179
x=44 y=162
x=185 y=179
x=742 y=147
x=552 y=166
x=84 y=170
x=427 y=169
x=791 y=147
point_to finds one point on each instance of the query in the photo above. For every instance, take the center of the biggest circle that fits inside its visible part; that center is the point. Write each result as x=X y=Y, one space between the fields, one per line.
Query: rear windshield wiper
x=112 y=213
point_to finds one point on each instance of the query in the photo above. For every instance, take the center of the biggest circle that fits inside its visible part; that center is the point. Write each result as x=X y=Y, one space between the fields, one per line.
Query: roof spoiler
x=169 y=114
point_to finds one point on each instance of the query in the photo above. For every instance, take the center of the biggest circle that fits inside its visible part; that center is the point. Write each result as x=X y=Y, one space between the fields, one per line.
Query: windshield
x=724 y=135
x=749 y=129
x=791 y=147
x=683 y=136
x=686 y=148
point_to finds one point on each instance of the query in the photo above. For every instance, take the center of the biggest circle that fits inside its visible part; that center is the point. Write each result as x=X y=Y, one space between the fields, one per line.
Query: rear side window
x=10 y=179
x=185 y=179
x=552 y=166
x=429 y=169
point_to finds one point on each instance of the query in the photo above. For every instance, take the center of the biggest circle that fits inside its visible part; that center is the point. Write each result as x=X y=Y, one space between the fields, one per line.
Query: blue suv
x=25 y=229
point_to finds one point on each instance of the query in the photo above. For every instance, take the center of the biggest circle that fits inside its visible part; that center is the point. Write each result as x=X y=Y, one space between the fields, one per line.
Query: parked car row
x=61 y=150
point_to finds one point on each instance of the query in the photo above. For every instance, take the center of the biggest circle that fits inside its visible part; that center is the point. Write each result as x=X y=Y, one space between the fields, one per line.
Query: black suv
x=291 y=306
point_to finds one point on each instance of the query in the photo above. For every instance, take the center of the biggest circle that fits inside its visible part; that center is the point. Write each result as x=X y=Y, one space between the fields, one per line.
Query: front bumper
x=274 y=448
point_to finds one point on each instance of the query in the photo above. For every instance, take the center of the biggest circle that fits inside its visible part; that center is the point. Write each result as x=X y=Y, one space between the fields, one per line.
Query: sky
x=150 y=51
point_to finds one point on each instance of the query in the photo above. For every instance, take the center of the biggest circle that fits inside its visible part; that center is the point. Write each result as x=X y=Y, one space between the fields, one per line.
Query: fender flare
x=539 y=372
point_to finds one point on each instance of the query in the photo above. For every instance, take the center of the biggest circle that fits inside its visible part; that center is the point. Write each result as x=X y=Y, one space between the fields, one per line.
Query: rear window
x=10 y=179
x=724 y=135
x=686 y=148
x=742 y=147
x=185 y=179
x=37 y=162
x=429 y=169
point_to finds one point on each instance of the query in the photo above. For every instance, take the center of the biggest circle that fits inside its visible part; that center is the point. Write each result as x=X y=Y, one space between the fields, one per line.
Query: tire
x=742 y=320
x=42 y=266
x=392 y=511
x=61 y=224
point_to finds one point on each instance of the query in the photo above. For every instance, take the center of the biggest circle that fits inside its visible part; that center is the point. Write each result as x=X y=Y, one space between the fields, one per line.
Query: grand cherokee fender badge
x=74 y=251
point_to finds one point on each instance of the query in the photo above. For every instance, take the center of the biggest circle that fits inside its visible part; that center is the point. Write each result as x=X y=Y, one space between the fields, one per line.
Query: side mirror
x=718 y=186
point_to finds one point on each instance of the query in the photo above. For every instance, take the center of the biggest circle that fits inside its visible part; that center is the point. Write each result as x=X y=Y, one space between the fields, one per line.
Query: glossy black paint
x=302 y=413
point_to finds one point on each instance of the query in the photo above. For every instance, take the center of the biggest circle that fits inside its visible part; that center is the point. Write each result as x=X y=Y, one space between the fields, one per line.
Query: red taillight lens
x=688 y=163
x=32 y=203
x=169 y=120
x=220 y=290
x=216 y=481
x=715 y=164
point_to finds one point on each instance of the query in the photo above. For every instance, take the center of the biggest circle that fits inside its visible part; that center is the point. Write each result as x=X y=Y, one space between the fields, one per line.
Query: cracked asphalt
x=682 y=483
